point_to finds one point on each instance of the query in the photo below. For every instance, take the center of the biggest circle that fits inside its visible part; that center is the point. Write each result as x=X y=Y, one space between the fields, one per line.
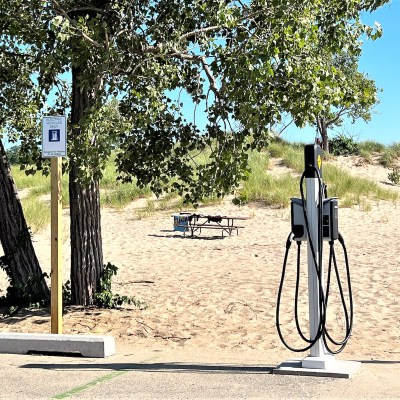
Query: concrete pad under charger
x=337 y=369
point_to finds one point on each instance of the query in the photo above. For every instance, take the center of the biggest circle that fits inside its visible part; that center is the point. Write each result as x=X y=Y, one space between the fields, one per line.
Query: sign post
x=54 y=146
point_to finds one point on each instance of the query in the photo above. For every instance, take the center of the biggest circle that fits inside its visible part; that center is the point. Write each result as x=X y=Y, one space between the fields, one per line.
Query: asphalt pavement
x=135 y=373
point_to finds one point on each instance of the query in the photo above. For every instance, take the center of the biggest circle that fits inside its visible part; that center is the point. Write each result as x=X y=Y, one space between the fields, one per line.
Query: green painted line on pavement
x=88 y=385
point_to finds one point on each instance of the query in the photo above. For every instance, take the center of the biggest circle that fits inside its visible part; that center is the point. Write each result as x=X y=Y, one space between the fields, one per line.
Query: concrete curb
x=85 y=345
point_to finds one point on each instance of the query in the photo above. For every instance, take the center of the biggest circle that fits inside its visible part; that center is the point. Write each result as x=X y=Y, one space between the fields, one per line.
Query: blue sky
x=381 y=61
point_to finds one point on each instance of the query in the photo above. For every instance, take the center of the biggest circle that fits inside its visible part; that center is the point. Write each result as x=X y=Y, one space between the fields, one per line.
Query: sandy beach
x=210 y=293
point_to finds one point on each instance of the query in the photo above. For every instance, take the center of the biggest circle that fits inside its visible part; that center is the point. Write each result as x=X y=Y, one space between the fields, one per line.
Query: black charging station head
x=312 y=158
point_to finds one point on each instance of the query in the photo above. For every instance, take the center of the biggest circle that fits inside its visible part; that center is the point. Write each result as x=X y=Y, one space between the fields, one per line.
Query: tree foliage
x=357 y=98
x=245 y=63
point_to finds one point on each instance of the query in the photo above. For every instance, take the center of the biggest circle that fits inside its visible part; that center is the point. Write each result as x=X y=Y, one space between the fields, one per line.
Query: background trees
x=244 y=63
x=358 y=97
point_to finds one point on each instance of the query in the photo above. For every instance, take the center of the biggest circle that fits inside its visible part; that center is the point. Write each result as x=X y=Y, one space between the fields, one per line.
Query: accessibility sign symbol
x=54 y=136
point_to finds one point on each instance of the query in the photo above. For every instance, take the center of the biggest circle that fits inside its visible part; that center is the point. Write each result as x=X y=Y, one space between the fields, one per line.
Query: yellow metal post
x=56 y=245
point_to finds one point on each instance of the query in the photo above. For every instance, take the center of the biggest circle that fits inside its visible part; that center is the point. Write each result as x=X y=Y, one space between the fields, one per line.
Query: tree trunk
x=86 y=240
x=19 y=258
x=323 y=131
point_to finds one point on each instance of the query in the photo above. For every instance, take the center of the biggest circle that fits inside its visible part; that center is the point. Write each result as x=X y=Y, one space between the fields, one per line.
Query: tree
x=19 y=260
x=357 y=99
x=244 y=62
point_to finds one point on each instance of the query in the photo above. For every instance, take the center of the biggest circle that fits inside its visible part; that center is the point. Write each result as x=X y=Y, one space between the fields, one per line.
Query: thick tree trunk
x=19 y=255
x=86 y=240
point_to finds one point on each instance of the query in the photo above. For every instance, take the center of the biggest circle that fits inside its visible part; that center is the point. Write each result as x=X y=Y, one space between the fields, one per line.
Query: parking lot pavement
x=140 y=374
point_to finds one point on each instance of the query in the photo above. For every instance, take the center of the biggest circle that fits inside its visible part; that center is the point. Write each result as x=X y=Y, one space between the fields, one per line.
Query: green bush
x=394 y=176
x=20 y=295
x=343 y=145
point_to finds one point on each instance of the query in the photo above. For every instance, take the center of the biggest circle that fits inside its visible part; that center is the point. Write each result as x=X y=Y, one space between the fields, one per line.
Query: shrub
x=394 y=176
x=20 y=295
x=343 y=145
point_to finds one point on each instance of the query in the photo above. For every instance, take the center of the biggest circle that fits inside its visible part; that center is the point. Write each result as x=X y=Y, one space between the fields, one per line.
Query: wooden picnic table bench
x=194 y=223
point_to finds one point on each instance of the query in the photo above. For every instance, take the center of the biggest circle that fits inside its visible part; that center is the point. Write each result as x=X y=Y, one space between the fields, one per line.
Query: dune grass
x=370 y=148
x=354 y=190
x=120 y=195
x=391 y=155
x=261 y=186
x=277 y=190
x=37 y=212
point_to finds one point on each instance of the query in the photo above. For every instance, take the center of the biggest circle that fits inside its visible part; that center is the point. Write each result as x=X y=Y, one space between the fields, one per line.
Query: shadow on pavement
x=378 y=362
x=159 y=367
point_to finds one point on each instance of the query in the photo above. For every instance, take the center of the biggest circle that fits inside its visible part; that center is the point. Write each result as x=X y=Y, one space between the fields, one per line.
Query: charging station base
x=336 y=369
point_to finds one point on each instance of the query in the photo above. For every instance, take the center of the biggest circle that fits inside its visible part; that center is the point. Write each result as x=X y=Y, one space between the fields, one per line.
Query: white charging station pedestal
x=319 y=362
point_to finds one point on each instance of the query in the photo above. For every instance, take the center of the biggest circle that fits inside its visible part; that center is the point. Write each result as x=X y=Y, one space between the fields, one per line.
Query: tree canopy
x=246 y=63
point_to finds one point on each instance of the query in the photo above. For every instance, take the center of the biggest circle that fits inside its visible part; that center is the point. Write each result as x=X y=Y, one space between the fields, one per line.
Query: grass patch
x=277 y=190
x=354 y=190
x=292 y=154
x=261 y=186
x=120 y=195
x=24 y=181
x=371 y=146
x=272 y=191
x=37 y=213
x=391 y=155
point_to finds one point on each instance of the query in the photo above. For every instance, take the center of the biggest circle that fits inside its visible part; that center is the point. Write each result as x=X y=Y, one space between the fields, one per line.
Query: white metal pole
x=319 y=357
x=312 y=187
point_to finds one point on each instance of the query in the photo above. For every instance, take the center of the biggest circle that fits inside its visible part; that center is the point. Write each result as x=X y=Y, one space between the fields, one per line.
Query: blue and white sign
x=54 y=136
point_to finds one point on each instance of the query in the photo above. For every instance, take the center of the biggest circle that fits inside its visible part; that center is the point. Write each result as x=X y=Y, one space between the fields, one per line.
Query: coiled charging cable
x=322 y=330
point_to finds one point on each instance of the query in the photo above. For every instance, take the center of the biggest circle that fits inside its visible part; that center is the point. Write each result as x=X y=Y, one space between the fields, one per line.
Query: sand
x=211 y=294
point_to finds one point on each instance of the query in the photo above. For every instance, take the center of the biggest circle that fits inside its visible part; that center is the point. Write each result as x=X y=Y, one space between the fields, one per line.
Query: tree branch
x=98 y=10
x=343 y=111
x=199 y=31
x=72 y=22
x=203 y=62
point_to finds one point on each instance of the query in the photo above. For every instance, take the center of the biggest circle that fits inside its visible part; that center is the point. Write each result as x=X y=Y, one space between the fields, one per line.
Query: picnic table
x=194 y=223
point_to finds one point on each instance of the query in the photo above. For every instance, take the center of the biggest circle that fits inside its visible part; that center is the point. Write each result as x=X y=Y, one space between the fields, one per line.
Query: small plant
x=104 y=296
x=66 y=292
x=343 y=145
x=23 y=295
x=241 y=198
x=394 y=176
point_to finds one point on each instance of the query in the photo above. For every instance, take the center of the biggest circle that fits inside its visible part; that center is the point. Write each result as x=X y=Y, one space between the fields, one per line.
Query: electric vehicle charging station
x=314 y=219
